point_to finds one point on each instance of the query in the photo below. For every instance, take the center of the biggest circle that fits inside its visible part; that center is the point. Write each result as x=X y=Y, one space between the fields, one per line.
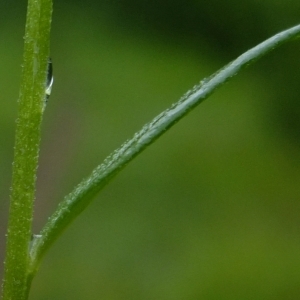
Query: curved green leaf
x=74 y=203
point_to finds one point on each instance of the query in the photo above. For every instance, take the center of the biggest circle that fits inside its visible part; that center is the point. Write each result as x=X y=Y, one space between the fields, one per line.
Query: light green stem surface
x=81 y=196
x=17 y=279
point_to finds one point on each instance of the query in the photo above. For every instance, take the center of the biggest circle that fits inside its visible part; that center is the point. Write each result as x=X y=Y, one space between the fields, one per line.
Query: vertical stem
x=17 y=279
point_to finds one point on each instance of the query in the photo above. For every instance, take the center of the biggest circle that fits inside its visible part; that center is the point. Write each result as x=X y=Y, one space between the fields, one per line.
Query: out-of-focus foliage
x=210 y=211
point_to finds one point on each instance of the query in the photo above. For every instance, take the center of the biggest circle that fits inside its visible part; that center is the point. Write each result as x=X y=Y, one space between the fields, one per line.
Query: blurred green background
x=211 y=210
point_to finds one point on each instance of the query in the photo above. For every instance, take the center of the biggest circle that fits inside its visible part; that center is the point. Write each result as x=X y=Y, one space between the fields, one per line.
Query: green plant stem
x=17 y=279
x=81 y=196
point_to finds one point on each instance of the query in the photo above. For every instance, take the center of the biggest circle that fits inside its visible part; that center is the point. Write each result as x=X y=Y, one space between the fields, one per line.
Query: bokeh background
x=211 y=210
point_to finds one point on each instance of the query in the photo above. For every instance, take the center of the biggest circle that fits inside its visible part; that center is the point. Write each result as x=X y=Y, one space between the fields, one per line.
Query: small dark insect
x=49 y=82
